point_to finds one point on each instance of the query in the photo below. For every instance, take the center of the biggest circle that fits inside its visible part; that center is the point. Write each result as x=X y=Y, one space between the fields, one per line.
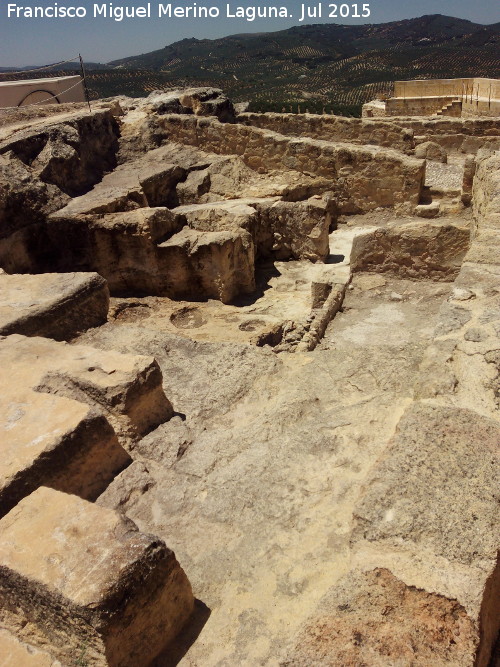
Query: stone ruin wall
x=430 y=88
x=478 y=108
x=477 y=127
x=486 y=193
x=466 y=135
x=448 y=88
x=415 y=106
x=363 y=178
x=332 y=128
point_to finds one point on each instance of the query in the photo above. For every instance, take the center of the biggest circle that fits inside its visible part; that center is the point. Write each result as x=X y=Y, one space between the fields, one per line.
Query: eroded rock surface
x=197 y=101
x=412 y=250
x=41 y=167
x=71 y=154
x=430 y=150
x=355 y=625
x=25 y=200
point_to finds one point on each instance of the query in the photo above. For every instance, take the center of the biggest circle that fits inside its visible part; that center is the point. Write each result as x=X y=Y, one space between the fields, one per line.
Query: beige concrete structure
x=41 y=91
x=468 y=97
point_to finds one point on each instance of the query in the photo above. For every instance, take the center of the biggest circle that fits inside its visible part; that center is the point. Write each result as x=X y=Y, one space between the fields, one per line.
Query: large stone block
x=299 y=230
x=119 y=246
x=54 y=441
x=146 y=251
x=412 y=250
x=52 y=304
x=199 y=265
x=485 y=248
x=66 y=411
x=128 y=388
x=281 y=229
x=218 y=216
x=429 y=150
x=40 y=168
x=95 y=589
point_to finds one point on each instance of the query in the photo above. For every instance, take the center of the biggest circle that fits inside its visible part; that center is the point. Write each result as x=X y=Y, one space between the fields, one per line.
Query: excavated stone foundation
x=270 y=342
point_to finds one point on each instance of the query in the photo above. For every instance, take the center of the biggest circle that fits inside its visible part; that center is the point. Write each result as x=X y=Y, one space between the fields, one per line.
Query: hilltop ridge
x=331 y=67
x=348 y=40
x=326 y=65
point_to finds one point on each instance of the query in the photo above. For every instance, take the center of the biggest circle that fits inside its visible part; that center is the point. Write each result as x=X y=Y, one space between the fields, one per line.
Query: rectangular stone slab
x=54 y=441
x=127 y=388
x=94 y=586
x=57 y=305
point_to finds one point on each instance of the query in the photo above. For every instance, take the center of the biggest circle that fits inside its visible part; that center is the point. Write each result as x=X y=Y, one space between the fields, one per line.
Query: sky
x=40 y=41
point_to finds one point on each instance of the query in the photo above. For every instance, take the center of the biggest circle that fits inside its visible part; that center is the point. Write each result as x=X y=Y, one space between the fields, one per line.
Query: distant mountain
x=315 y=67
x=332 y=65
x=314 y=43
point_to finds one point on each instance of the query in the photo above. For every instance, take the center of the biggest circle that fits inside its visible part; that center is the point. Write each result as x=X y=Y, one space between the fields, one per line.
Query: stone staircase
x=454 y=108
